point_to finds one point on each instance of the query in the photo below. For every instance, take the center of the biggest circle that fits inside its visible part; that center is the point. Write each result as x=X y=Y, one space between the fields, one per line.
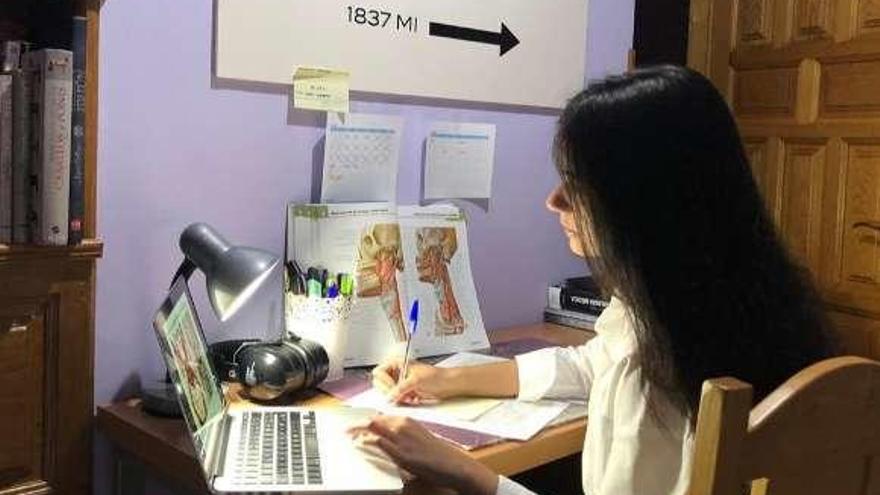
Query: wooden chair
x=818 y=433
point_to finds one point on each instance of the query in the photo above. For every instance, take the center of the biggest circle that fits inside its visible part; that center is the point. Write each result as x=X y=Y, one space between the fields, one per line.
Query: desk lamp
x=232 y=275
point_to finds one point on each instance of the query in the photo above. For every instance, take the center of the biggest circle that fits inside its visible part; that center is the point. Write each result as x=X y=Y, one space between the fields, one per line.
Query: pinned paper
x=459 y=161
x=321 y=89
x=361 y=158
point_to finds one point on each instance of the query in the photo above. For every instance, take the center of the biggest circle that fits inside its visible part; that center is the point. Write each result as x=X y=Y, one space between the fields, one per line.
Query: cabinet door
x=802 y=78
x=22 y=427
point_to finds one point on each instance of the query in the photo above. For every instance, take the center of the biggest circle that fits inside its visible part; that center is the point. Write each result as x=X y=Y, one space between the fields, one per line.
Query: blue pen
x=413 y=324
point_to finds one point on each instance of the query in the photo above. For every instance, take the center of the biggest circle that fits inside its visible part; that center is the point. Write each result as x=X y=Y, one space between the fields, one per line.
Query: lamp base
x=160 y=399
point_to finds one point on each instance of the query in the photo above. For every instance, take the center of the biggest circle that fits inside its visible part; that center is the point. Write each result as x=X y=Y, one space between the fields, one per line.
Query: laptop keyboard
x=278 y=448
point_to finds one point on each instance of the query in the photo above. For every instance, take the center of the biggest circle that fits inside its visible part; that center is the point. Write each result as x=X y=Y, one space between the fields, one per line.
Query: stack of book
x=575 y=302
x=42 y=141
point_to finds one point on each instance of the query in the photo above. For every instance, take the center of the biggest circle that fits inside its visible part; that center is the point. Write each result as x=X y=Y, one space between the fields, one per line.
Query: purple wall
x=172 y=150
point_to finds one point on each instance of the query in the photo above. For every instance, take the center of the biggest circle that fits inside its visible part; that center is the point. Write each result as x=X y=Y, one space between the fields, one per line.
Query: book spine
x=11 y=55
x=5 y=158
x=21 y=156
x=574 y=300
x=51 y=104
x=77 y=137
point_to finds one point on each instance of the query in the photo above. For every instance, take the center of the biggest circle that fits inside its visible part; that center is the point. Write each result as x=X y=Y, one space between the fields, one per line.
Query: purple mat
x=519 y=346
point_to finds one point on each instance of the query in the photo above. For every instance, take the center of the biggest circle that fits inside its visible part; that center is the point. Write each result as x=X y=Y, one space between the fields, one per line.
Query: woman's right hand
x=423 y=383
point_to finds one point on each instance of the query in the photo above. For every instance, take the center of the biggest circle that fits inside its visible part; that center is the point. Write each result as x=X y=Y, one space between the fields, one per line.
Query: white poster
x=519 y=52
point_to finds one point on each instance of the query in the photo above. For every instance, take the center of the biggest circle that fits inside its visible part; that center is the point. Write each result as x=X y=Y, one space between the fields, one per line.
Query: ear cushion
x=270 y=370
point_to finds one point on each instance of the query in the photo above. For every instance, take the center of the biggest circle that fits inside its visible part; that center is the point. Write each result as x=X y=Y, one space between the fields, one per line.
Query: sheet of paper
x=459 y=161
x=507 y=418
x=468 y=359
x=463 y=409
x=361 y=158
x=321 y=89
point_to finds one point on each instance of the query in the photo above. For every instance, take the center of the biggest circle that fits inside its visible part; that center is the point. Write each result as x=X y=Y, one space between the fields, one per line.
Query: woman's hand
x=417 y=451
x=423 y=383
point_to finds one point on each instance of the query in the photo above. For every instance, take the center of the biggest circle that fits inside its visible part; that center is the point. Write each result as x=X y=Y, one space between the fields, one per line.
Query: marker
x=314 y=288
x=295 y=278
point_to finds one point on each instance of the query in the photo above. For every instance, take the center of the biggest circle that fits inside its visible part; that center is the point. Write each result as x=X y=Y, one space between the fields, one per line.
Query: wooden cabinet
x=803 y=79
x=47 y=309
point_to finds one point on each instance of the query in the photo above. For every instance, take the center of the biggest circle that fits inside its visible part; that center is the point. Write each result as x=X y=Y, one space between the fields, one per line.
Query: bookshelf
x=47 y=304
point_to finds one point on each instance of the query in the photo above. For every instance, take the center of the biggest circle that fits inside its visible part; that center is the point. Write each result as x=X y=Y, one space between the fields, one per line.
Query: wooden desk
x=164 y=446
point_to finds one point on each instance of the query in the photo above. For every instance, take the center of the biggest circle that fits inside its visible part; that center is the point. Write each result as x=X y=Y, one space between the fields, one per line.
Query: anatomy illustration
x=436 y=247
x=380 y=258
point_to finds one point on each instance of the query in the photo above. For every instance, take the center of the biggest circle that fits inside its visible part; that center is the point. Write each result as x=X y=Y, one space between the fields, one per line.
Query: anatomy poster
x=397 y=255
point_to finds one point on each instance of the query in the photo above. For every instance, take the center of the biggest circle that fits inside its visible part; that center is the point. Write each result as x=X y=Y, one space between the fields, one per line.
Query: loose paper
x=361 y=158
x=508 y=419
x=321 y=89
x=463 y=359
x=459 y=161
x=461 y=409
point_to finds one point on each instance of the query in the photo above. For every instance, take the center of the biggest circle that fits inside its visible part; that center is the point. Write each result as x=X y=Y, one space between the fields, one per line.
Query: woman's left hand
x=416 y=450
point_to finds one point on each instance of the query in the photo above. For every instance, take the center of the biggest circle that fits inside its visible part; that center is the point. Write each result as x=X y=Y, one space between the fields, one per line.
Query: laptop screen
x=183 y=347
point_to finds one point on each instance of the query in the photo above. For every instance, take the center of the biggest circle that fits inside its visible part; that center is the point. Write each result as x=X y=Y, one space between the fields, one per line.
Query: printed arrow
x=506 y=40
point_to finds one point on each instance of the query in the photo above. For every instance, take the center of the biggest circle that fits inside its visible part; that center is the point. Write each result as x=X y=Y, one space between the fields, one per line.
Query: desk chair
x=818 y=433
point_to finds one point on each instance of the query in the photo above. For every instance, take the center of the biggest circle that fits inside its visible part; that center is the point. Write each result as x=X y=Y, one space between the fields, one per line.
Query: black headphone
x=268 y=370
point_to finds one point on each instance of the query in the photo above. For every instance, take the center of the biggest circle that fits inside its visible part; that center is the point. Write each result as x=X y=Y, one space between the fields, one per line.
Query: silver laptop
x=268 y=449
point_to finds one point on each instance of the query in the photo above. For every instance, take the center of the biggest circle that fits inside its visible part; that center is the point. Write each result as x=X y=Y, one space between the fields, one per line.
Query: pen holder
x=321 y=320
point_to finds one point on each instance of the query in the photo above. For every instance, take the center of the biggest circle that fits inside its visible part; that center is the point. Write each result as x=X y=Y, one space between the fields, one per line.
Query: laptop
x=259 y=449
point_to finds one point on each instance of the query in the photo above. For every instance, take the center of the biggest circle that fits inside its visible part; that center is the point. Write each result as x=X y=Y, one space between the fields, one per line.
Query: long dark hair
x=654 y=167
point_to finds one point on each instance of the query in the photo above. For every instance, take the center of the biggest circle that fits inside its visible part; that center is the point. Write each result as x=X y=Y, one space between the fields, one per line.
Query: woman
x=656 y=193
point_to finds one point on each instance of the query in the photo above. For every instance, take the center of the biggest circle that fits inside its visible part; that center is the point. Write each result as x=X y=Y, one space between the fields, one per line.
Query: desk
x=163 y=445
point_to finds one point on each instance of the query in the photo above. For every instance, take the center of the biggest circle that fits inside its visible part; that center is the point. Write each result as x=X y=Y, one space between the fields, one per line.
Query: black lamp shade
x=232 y=273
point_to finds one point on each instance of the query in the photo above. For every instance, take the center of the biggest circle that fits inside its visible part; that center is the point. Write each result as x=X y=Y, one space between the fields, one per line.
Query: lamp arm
x=185 y=270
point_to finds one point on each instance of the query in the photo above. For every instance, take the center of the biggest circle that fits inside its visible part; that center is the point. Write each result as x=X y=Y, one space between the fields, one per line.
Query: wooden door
x=803 y=79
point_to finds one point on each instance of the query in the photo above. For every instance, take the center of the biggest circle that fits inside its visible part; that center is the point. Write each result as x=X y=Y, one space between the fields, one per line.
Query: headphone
x=268 y=370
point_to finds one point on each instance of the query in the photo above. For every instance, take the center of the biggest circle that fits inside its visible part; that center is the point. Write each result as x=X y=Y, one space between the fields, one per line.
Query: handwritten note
x=321 y=89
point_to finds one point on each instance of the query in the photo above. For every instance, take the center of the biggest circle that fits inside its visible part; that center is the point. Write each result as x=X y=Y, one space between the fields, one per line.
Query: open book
x=397 y=254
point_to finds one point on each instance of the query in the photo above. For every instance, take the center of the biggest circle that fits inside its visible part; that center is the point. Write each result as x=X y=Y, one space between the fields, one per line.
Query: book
x=52 y=91
x=77 y=136
x=568 y=318
x=5 y=158
x=577 y=294
x=21 y=156
x=10 y=55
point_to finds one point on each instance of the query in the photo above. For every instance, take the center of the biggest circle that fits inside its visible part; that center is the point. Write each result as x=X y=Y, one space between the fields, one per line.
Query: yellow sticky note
x=321 y=89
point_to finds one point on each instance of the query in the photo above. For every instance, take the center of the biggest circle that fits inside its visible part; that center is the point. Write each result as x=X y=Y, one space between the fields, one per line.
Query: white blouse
x=628 y=449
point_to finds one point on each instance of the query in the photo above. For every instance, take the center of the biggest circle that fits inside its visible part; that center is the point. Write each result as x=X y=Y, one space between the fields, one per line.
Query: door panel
x=812 y=20
x=800 y=221
x=868 y=17
x=755 y=22
x=766 y=92
x=851 y=90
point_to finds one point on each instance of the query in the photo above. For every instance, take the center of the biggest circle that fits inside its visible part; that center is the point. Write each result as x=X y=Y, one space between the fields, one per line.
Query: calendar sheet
x=361 y=158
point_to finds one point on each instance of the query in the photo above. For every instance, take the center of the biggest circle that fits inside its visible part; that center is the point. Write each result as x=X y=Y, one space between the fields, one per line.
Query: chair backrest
x=818 y=433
